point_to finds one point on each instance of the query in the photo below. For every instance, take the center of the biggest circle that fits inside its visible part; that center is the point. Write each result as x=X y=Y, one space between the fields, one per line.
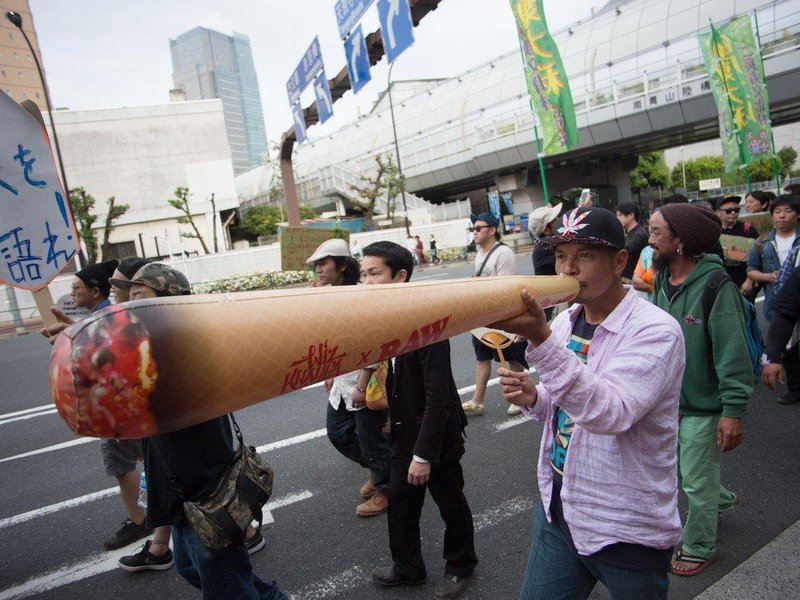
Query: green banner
x=736 y=74
x=547 y=81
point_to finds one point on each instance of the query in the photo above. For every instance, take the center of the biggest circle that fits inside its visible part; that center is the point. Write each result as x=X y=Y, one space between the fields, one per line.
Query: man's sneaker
x=255 y=542
x=387 y=577
x=368 y=489
x=513 y=409
x=144 y=561
x=127 y=534
x=472 y=408
x=377 y=504
x=451 y=587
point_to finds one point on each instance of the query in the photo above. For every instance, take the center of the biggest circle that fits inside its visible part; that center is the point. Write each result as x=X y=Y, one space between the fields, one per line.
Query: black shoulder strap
x=711 y=289
x=486 y=259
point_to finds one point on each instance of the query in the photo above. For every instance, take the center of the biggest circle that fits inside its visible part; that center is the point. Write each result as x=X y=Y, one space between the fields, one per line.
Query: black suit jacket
x=427 y=417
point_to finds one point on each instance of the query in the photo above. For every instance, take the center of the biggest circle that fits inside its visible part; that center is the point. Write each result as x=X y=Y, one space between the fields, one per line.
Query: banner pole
x=714 y=36
x=775 y=168
x=540 y=157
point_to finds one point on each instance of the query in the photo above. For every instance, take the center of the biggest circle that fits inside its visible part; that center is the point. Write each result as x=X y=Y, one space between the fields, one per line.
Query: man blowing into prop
x=427 y=444
x=607 y=468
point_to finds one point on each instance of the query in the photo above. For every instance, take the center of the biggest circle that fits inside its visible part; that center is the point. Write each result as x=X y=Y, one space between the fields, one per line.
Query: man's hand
x=531 y=325
x=772 y=375
x=419 y=473
x=517 y=387
x=358 y=398
x=729 y=433
x=747 y=287
x=52 y=332
x=328 y=385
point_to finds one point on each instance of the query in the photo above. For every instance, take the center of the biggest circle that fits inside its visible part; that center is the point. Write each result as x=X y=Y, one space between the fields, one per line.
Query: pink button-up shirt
x=620 y=475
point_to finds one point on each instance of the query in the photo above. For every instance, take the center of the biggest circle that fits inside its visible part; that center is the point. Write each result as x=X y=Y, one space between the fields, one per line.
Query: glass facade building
x=209 y=64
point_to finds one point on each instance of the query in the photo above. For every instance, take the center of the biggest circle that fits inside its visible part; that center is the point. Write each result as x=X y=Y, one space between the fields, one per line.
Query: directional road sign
x=299 y=123
x=309 y=66
x=355 y=50
x=322 y=91
x=397 y=28
x=348 y=13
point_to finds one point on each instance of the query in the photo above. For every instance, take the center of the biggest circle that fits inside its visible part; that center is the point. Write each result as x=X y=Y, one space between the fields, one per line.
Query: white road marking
x=332 y=586
x=291 y=441
x=27 y=410
x=357 y=576
x=28 y=416
x=435 y=276
x=52 y=508
x=103 y=562
x=77 y=442
x=517 y=420
x=281 y=502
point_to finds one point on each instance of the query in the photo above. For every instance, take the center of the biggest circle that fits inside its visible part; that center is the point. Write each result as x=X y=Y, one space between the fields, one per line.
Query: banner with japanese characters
x=736 y=74
x=37 y=233
x=547 y=81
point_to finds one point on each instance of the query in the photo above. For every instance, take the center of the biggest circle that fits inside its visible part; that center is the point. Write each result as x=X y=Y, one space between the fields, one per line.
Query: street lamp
x=397 y=149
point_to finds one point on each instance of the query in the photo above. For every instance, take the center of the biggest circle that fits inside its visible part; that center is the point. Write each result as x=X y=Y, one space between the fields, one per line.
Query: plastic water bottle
x=142 y=490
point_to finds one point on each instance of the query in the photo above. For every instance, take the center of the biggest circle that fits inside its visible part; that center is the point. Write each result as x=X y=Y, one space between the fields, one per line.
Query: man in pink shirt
x=609 y=399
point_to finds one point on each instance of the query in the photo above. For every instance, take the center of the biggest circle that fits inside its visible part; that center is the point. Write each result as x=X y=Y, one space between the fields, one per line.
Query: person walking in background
x=434 y=252
x=353 y=429
x=718 y=380
x=427 y=445
x=493 y=259
x=635 y=236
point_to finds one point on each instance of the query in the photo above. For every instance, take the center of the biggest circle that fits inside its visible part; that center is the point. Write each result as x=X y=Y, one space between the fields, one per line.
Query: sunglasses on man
x=729 y=211
x=478 y=228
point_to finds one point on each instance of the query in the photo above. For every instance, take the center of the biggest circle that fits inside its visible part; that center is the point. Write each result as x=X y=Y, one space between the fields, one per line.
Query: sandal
x=701 y=564
x=472 y=408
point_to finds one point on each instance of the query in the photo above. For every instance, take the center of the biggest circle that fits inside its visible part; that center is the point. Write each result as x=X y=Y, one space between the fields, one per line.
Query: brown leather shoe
x=368 y=488
x=377 y=504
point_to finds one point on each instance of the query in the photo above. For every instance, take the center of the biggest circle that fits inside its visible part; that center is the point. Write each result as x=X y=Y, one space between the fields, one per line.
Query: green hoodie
x=726 y=386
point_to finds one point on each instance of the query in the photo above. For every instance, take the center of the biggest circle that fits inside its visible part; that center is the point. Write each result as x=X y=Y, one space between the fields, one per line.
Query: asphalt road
x=57 y=506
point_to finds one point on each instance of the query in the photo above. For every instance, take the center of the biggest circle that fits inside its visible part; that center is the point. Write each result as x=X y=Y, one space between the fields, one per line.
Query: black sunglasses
x=479 y=227
x=729 y=211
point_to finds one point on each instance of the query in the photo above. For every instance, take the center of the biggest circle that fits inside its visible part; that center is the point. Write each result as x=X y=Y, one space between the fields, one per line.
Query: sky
x=110 y=53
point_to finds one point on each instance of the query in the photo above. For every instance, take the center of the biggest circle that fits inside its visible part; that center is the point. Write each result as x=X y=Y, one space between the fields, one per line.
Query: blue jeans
x=358 y=435
x=556 y=571
x=219 y=574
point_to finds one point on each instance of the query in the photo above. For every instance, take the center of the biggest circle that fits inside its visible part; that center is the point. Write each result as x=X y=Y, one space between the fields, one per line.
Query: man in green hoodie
x=718 y=379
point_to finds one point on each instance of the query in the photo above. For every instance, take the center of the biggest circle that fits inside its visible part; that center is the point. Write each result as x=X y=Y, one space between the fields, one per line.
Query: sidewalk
x=7 y=328
x=770 y=573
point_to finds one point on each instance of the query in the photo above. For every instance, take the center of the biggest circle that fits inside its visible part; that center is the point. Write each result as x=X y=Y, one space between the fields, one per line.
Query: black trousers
x=446 y=485
x=791 y=364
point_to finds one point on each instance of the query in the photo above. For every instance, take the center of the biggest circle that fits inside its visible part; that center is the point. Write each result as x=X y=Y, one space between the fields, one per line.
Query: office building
x=209 y=64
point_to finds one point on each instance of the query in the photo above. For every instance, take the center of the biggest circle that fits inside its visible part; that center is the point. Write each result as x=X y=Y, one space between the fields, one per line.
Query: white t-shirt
x=501 y=262
x=784 y=245
x=411 y=244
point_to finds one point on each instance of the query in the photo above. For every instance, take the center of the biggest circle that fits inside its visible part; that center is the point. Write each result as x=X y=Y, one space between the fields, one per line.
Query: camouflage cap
x=162 y=278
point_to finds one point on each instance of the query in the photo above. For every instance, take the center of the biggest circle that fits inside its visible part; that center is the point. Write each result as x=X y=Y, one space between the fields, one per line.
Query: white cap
x=333 y=247
x=540 y=217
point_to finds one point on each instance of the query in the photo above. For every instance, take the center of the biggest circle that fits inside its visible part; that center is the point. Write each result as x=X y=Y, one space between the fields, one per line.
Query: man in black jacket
x=427 y=444
x=786 y=313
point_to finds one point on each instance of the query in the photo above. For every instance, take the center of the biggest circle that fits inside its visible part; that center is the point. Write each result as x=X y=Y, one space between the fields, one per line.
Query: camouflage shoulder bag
x=221 y=517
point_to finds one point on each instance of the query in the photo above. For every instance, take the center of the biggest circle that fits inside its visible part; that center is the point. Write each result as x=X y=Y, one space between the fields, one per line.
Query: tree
x=115 y=211
x=181 y=202
x=82 y=205
x=651 y=171
x=395 y=186
x=788 y=157
x=371 y=190
x=263 y=220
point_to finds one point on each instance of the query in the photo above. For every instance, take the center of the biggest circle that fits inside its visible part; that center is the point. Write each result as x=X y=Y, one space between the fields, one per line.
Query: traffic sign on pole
x=299 y=122
x=307 y=68
x=355 y=50
x=397 y=28
x=348 y=13
x=322 y=91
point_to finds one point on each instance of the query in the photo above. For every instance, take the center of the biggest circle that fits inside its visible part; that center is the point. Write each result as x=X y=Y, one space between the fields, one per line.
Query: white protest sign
x=37 y=232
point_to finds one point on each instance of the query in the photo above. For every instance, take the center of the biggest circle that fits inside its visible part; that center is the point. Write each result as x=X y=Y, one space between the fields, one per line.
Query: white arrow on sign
x=394 y=12
x=354 y=54
x=323 y=96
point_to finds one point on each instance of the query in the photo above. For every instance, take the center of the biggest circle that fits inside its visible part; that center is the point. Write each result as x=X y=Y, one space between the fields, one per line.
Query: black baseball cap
x=487 y=218
x=589 y=225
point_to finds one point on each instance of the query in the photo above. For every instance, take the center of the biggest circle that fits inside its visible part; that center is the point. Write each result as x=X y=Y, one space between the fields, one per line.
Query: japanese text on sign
x=37 y=234
x=307 y=68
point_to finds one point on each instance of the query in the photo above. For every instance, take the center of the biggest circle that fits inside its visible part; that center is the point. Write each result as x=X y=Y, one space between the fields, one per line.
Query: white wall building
x=140 y=155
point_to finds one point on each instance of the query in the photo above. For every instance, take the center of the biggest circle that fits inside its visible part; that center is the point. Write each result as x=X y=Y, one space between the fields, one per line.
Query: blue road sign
x=299 y=123
x=322 y=91
x=348 y=13
x=397 y=29
x=309 y=66
x=355 y=51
